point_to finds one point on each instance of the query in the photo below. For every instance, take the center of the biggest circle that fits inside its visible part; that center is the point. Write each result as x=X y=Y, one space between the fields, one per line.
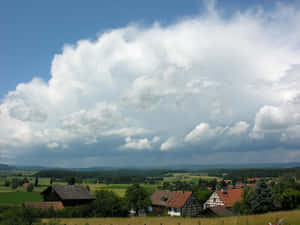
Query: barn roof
x=44 y=205
x=230 y=196
x=175 y=199
x=71 y=192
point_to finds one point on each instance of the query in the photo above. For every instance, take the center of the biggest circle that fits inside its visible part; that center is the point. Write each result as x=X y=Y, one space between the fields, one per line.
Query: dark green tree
x=243 y=207
x=25 y=180
x=108 y=204
x=137 y=198
x=71 y=181
x=202 y=194
x=6 y=183
x=36 y=182
x=14 y=183
x=261 y=199
x=30 y=187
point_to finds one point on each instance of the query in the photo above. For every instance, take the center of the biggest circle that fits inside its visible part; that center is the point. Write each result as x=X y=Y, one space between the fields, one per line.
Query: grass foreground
x=291 y=218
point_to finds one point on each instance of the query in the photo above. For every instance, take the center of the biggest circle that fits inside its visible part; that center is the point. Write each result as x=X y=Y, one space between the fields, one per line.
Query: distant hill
x=6 y=167
x=236 y=166
x=173 y=167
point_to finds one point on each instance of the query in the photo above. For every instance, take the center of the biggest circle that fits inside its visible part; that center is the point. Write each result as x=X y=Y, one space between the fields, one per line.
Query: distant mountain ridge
x=175 y=167
x=6 y=167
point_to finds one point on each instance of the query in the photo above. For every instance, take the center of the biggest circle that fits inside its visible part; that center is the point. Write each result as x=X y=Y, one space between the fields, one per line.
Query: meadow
x=9 y=196
x=188 y=177
x=291 y=218
x=16 y=198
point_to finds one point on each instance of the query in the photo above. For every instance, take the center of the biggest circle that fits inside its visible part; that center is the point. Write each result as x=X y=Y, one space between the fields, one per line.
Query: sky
x=149 y=83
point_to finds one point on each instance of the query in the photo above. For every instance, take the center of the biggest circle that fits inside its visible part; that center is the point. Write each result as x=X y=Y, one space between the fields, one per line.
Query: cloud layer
x=205 y=85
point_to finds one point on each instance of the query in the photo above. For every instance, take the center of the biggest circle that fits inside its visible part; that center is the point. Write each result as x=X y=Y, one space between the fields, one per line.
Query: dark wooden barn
x=69 y=195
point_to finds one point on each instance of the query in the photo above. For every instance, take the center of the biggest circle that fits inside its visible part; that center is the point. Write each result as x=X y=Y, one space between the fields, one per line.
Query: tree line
x=282 y=195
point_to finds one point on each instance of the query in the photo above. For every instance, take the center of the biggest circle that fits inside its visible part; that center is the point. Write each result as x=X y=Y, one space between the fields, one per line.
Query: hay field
x=292 y=218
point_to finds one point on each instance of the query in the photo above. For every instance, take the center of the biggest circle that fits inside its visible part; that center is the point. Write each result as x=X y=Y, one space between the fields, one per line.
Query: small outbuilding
x=44 y=205
x=69 y=195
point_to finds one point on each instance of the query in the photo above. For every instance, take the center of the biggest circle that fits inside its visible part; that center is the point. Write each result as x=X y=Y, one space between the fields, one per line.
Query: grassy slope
x=292 y=218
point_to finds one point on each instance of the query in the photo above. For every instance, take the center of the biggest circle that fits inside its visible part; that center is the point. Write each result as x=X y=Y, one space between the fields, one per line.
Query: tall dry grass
x=291 y=218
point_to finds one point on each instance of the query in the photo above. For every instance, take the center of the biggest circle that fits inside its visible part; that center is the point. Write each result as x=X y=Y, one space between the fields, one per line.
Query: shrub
x=30 y=187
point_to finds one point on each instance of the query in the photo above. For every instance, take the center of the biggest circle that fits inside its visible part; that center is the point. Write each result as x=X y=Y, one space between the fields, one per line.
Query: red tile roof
x=230 y=196
x=179 y=199
x=26 y=184
x=45 y=205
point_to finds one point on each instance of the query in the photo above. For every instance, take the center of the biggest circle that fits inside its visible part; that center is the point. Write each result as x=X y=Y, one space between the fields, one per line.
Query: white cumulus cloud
x=139 y=82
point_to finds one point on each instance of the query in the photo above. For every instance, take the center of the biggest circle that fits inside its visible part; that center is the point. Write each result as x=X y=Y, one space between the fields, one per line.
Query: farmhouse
x=223 y=198
x=69 y=195
x=177 y=203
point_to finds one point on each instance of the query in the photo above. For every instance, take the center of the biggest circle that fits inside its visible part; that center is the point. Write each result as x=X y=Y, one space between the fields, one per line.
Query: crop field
x=187 y=177
x=291 y=218
x=15 y=198
x=119 y=189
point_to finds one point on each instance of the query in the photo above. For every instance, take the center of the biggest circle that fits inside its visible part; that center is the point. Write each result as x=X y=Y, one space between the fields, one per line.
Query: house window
x=214 y=200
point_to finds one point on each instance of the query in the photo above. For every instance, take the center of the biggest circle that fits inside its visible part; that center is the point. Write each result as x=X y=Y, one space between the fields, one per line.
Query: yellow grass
x=292 y=218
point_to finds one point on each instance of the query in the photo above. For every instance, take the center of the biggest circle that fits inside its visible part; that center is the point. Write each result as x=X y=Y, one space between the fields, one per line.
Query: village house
x=25 y=185
x=223 y=198
x=177 y=203
x=69 y=195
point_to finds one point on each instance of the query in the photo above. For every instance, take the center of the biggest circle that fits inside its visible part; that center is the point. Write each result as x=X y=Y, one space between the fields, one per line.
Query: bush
x=7 y=183
x=19 y=216
x=30 y=187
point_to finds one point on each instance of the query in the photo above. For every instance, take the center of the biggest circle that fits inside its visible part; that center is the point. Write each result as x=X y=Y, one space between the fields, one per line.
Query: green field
x=119 y=189
x=20 y=195
x=188 y=177
x=291 y=218
x=15 y=198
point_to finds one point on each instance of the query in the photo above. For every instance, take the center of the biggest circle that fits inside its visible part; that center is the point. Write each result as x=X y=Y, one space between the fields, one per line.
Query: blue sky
x=149 y=80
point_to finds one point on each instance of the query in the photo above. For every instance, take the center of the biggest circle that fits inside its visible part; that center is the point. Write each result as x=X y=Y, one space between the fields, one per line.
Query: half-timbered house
x=223 y=198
